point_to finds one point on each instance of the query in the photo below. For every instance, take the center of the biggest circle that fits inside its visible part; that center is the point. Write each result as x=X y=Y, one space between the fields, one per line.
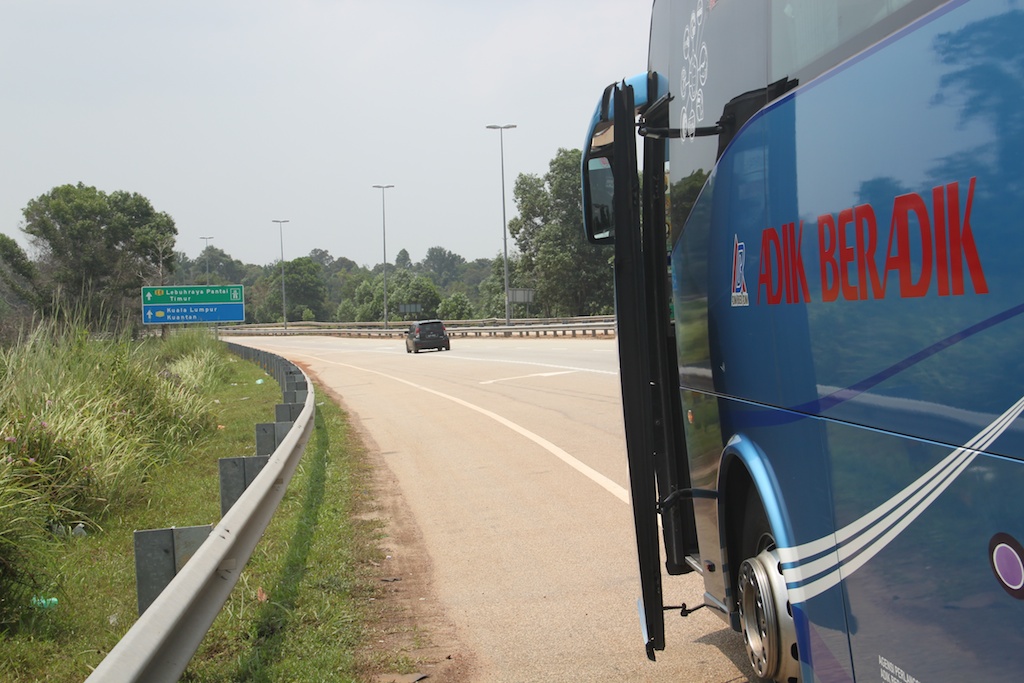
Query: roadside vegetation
x=103 y=437
x=96 y=249
x=305 y=606
x=83 y=424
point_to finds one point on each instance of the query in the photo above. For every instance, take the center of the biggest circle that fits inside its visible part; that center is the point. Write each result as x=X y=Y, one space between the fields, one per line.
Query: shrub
x=82 y=421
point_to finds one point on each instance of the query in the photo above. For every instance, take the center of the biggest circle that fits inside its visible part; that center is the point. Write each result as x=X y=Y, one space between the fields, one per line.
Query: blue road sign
x=161 y=314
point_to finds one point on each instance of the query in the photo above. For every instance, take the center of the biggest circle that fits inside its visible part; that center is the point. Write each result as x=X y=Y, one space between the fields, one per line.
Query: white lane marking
x=572 y=368
x=584 y=469
x=401 y=350
x=536 y=374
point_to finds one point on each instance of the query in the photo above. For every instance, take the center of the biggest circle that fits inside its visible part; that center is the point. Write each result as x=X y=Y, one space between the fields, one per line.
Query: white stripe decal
x=814 y=567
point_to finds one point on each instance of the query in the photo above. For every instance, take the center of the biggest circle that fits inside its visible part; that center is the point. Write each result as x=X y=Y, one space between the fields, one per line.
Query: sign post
x=193 y=304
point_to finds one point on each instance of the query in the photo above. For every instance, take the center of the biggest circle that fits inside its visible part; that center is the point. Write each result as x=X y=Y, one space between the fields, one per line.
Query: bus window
x=811 y=36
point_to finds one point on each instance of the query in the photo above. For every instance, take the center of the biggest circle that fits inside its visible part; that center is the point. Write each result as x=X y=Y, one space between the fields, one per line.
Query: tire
x=766 y=617
x=757 y=532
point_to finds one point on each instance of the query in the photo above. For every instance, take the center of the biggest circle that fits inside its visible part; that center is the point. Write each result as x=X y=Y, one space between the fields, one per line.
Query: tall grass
x=82 y=422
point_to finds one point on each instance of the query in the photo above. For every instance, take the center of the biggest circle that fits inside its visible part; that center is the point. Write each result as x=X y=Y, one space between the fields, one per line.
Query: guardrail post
x=235 y=476
x=295 y=396
x=160 y=554
x=287 y=412
x=266 y=442
x=293 y=388
x=269 y=436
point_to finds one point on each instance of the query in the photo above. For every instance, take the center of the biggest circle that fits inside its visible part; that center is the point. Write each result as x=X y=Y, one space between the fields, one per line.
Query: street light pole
x=504 y=222
x=207 y=250
x=384 y=234
x=284 y=308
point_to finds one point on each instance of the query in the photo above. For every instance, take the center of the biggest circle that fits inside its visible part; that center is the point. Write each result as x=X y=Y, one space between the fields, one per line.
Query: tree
x=223 y=269
x=473 y=273
x=422 y=291
x=305 y=288
x=323 y=257
x=455 y=307
x=534 y=205
x=571 y=276
x=258 y=308
x=19 y=273
x=368 y=306
x=346 y=311
x=341 y=289
x=492 y=287
x=183 y=265
x=443 y=266
x=206 y=270
x=402 y=260
x=96 y=250
x=227 y=270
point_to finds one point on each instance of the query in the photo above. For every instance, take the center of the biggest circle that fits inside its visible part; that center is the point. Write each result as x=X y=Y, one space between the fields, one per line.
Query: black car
x=426 y=334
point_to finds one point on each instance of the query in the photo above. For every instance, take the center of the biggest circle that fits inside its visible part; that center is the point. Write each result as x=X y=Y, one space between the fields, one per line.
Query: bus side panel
x=883 y=290
x=906 y=214
x=915 y=330
x=927 y=600
x=795 y=448
x=728 y=348
x=900 y=281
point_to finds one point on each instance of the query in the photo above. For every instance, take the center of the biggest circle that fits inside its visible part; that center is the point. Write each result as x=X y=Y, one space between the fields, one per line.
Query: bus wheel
x=766 y=617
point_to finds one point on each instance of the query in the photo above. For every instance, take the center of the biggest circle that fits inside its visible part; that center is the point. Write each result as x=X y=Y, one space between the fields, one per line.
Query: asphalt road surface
x=510 y=456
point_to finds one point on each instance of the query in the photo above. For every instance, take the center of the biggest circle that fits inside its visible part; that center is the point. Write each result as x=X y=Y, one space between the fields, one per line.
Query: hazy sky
x=228 y=114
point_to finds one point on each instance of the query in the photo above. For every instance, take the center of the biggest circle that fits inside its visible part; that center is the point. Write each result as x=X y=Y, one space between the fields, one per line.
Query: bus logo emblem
x=739 y=280
x=1005 y=555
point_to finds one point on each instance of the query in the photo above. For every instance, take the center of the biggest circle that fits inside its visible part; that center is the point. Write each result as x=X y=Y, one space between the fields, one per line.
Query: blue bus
x=820 y=328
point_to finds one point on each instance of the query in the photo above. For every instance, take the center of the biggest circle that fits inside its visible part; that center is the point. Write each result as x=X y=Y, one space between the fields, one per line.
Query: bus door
x=659 y=478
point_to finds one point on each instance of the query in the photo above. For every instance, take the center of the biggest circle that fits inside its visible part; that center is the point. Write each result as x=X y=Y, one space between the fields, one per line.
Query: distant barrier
x=591 y=326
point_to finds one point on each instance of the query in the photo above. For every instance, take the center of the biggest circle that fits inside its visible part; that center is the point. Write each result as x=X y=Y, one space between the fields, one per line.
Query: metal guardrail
x=470 y=322
x=164 y=639
x=603 y=326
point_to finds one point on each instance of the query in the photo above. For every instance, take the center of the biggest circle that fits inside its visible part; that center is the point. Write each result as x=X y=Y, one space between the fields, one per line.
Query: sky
x=230 y=114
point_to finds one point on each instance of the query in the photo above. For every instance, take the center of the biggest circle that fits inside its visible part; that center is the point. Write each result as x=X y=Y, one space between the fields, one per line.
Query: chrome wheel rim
x=758 y=618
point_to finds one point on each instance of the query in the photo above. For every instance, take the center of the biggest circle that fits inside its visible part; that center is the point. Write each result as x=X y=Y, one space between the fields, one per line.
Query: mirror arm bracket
x=682 y=494
x=661 y=133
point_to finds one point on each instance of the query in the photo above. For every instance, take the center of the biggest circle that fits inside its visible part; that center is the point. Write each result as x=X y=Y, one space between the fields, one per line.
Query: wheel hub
x=766 y=619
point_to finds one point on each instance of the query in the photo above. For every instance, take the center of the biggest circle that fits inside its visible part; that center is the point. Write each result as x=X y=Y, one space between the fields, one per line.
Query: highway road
x=509 y=455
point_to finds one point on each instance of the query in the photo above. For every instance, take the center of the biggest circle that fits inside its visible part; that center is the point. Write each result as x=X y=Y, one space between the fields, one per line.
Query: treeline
x=324 y=288
x=94 y=251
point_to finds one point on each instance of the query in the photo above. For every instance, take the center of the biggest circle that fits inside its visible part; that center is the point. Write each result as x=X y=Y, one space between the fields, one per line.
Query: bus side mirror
x=597 y=169
x=597 y=174
x=599 y=197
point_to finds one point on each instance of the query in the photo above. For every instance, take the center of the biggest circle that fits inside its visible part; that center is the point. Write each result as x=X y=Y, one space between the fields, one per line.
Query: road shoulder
x=409 y=622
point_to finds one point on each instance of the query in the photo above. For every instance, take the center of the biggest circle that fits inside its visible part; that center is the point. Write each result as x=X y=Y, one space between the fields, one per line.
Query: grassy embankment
x=105 y=437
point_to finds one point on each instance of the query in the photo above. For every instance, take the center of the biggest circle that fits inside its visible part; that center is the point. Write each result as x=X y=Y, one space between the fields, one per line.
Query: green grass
x=98 y=432
x=82 y=425
x=305 y=604
x=298 y=613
